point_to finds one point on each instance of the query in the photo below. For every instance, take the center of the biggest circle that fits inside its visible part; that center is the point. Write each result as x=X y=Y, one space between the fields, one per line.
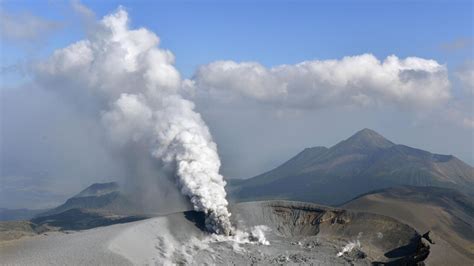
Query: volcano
x=364 y=162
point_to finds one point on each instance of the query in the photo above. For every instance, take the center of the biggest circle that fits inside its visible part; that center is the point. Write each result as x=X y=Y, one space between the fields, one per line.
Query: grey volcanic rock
x=362 y=163
x=304 y=222
x=446 y=213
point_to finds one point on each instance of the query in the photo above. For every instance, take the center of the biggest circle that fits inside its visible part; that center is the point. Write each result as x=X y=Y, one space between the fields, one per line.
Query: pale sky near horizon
x=269 y=78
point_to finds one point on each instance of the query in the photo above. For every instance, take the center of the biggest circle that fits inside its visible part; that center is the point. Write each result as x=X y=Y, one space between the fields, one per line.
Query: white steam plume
x=348 y=248
x=134 y=88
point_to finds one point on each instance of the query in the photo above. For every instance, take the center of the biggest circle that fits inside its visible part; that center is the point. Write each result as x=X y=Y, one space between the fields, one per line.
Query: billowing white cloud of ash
x=122 y=77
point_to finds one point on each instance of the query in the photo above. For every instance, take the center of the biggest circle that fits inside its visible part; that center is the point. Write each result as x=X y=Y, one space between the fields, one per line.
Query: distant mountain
x=362 y=163
x=18 y=214
x=99 y=189
x=447 y=213
x=100 y=204
x=81 y=219
x=99 y=196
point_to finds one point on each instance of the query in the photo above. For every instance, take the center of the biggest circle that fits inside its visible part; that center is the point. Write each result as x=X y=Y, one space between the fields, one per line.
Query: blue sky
x=277 y=32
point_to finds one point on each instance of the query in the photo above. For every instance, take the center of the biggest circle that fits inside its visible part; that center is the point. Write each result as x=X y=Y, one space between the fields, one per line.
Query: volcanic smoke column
x=133 y=89
x=183 y=138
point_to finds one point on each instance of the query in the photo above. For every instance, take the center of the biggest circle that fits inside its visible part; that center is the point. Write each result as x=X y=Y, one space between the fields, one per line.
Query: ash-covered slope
x=362 y=163
x=298 y=233
x=447 y=213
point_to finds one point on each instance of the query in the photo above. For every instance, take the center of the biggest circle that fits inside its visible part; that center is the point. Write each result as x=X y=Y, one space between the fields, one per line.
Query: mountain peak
x=98 y=189
x=367 y=139
x=367 y=131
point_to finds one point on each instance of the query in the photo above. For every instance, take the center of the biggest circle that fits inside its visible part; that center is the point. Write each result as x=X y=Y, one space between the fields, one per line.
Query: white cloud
x=459 y=118
x=359 y=80
x=82 y=10
x=456 y=45
x=466 y=75
x=25 y=27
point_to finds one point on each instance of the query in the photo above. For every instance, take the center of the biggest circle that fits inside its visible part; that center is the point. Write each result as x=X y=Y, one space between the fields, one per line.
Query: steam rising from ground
x=349 y=247
x=133 y=89
x=256 y=236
